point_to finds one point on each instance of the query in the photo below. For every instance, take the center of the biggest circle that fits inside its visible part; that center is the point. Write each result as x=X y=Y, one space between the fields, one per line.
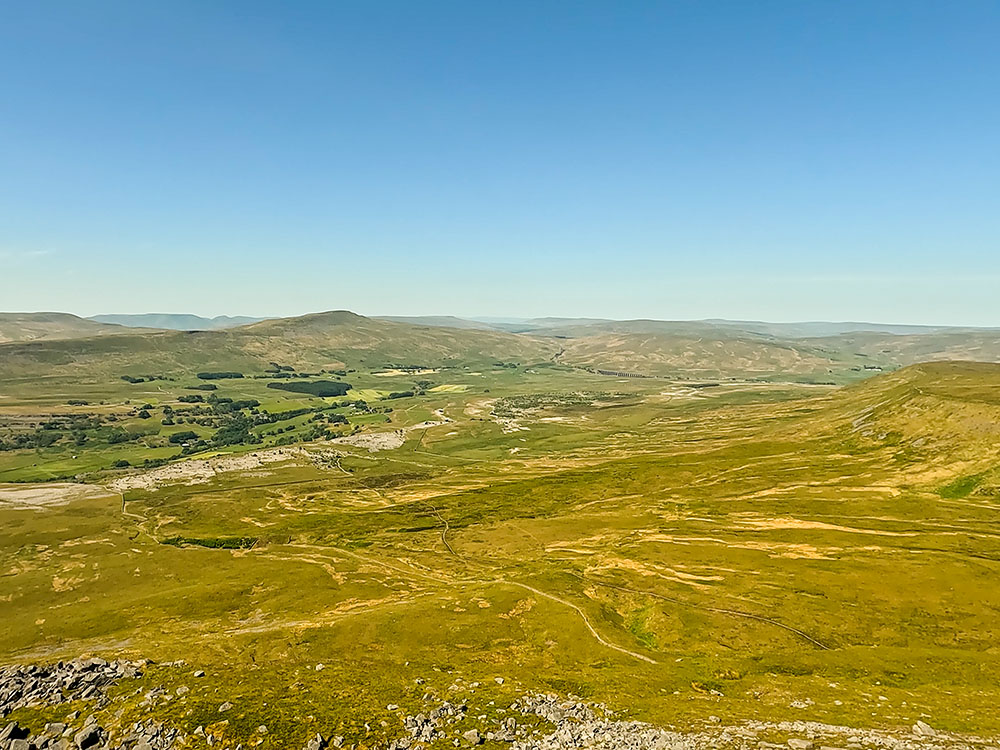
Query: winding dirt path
x=583 y=616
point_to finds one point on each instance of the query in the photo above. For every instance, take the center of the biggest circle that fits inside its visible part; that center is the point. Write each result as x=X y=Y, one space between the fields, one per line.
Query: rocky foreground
x=533 y=722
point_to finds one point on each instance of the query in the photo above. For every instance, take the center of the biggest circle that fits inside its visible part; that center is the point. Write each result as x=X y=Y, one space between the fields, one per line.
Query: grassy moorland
x=675 y=549
x=21 y=327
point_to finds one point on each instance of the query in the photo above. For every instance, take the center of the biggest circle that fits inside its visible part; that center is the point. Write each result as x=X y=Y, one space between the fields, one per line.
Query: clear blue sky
x=813 y=159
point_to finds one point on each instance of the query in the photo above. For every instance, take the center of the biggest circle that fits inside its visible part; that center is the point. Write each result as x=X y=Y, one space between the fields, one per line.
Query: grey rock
x=87 y=737
x=13 y=732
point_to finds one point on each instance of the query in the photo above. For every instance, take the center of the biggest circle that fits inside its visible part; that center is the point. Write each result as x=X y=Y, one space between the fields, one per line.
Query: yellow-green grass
x=692 y=533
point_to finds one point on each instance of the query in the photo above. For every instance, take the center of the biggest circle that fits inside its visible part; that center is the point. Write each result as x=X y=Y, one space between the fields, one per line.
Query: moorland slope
x=43 y=326
x=334 y=340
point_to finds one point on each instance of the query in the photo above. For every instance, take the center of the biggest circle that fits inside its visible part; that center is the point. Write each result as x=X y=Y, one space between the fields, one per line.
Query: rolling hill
x=323 y=340
x=57 y=343
x=45 y=326
x=717 y=349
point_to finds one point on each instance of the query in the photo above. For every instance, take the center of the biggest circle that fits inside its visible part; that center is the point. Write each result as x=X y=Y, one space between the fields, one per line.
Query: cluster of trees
x=228 y=405
x=331 y=418
x=286 y=374
x=80 y=431
x=233 y=420
x=236 y=431
x=225 y=542
x=408 y=368
x=38 y=439
x=143 y=378
x=322 y=388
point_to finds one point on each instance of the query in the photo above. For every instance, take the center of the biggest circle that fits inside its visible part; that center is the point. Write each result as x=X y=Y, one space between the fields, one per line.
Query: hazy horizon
x=511 y=318
x=778 y=162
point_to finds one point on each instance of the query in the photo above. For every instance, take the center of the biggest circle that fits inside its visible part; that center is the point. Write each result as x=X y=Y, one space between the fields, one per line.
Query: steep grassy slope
x=936 y=419
x=47 y=326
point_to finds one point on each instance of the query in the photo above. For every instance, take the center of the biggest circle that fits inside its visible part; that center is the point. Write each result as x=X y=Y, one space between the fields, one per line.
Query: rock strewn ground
x=533 y=722
x=579 y=725
x=80 y=679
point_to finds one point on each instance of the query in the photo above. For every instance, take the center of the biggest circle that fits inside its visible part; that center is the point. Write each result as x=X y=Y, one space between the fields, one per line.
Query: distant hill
x=336 y=339
x=43 y=326
x=809 y=329
x=176 y=322
x=439 y=321
x=811 y=351
x=803 y=329
x=529 y=325
x=54 y=343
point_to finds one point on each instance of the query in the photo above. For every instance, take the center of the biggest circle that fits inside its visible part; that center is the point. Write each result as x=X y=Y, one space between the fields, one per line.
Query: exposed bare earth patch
x=203 y=470
x=38 y=496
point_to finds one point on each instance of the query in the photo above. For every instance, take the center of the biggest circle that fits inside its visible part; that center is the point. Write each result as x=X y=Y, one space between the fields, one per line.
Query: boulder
x=88 y=737
x=13 y=732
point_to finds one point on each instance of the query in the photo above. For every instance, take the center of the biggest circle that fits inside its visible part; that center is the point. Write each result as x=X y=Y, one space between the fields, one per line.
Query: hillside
x=45 y=326
x=690 y=349
x=323 y=340
x=941 y=417
x=717 y=349
x=352 y=339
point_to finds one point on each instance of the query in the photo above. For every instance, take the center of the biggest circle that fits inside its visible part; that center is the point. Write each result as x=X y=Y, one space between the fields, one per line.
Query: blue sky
x=772 y=160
